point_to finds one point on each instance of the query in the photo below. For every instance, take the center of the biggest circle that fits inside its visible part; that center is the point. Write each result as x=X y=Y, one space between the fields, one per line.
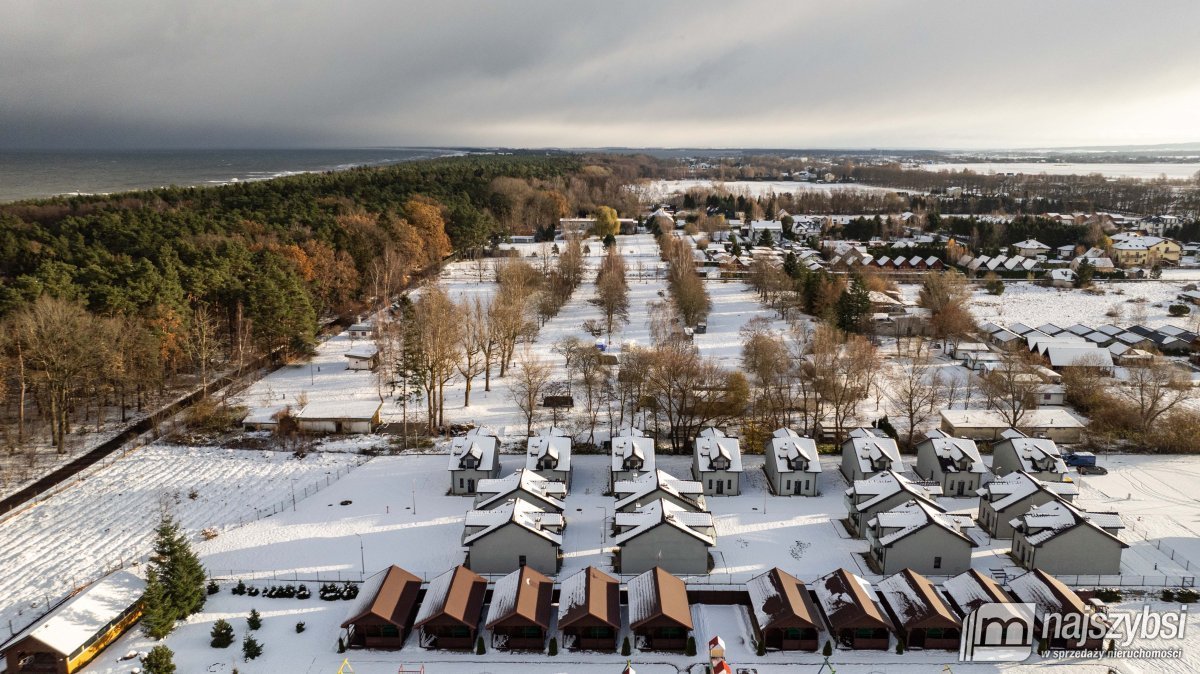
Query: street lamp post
x=362 y=556
x=603 y=515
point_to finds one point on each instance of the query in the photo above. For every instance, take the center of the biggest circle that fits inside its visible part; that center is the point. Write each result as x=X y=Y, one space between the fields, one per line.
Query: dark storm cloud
x=292 y=73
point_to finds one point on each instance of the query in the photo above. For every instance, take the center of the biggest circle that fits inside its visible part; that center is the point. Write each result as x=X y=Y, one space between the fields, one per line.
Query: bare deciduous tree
x=915 y=389
x=1012 y=386
x=531 y=379
x=1154 y=388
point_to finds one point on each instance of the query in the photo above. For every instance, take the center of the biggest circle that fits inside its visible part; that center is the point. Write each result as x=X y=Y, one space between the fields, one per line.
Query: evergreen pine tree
x=853 y=306
x=255 y=620
x=160 y=660
x=828 y=649
x=158 y=617
x=251 y=648
x=179 y=570
x=222 y=634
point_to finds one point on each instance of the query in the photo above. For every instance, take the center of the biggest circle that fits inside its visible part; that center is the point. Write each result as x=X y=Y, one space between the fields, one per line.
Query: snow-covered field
x=660 y=189
x=107 y=519
x=1145 y=171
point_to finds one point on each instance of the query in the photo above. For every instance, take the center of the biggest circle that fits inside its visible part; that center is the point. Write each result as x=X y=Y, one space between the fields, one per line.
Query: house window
x=389 y=631
x=461 y=483
x=521 y=560
x=935 y=633
x=729 y=484
x=789 y=486
x=937 y=562
x=710 y=484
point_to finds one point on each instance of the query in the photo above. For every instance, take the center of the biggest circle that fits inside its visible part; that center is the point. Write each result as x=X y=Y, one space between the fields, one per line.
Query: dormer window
x=720 y=463
x=633 y=463
x=547 y=463
x=469 y=462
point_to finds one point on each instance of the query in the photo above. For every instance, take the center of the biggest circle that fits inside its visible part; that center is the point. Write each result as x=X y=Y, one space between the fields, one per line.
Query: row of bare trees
x=688 y=293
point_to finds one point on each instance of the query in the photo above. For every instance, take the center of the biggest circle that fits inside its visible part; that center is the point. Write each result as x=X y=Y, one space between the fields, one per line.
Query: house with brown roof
x=659 y=614
x=1053 y=601
x=450 y=612
x=519 y=615
x=854 y=615
x=589 y=611
x=384 y=612
x=784 y=615
x=923 y=619
x=972 y=589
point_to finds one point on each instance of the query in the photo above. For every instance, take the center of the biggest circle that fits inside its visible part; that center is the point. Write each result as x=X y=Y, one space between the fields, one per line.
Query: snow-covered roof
x=789 y=448
x=915 y=602
x=915 y=515
x=972 y=589
x=86 y=614
x=626 y=447
x=520 y=482
x=264 y=415
x=632 y=491
x=457 y=593
x=1031 y=243
x=1040 y=418
x=481 y=447
x=848 y=602
x=655 y=594
x=555 y=447
x=518 y=512
x=872 y=450
x=1072 y=356
x=779 y=598
x=524 y=593
x=354 y=410
x=590 y=592
x=712 y=445
x=664 y=513
x=1005 y=491
x=887 y=484
x=1055 y=518
x=951 y=451
x=1035 y=454
x=1047 y=593
x=363 y=352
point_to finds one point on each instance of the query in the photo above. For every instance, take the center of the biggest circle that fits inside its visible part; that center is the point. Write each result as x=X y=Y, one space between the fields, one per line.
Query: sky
x=566 y=73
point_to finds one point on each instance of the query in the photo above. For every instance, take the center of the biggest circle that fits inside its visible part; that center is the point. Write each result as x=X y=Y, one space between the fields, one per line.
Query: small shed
x=450 y=611
x=589 y=611
x=263 y=418
x=519 y=615
x=783 y=612
x=383 y=614
x=363 y=357
x=339 y=416
x=361 y=330
x=73 y=634
x=922 y=616
x=659 y=614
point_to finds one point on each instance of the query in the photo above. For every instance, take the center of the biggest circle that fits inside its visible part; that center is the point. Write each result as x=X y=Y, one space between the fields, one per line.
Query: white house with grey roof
x=1040 y=457
x=473 y=457
x=664 y=535
x=792 y=464
x=919 y=535
x=526 y=485
x=646 y=488
x=1015 y=494
x=1057 y=537
x=953 y=462
x=868 y=452
x=883 y=492
x=549 y=454
x=717 y=463
x=632 y=454
x=513 y=535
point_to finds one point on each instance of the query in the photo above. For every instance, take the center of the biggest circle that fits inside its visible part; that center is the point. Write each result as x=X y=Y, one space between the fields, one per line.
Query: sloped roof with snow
x=627 y=446
x=632 y=491
x=913 y=516
x=779 y=599
x=1047 y=593
x=518 y=512
x=81 y=617
x=590 y=592
x=457 y=594
x=524 y=593
x=887 y=484
x=1050 y=520
x=480 y=446
x=1005 y=491
x=868 y=450
x=354 y=410
x=664 y=513
x=518 y=483
x=787 y=445
x=1032 y=451
x=1031 y=243
x=847 y=601
x=915 y=602
x=712 y=444
x=1079 y=356
x=557 y=447
x=972 y=589
x=950 y=451
x=363 y=351
x=656 y=594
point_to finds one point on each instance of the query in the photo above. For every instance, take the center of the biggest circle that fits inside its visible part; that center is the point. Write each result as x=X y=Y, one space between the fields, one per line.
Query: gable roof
x=590 y=592
x=1028 y=450
x=524 y=593
x=389 y=596
x=889 y=483
x=912 y=516
x=869 y=449
x=847 y=601
x=786 y=444
x=914 y=601
x=624 y=446
x=1003 y=492
x=647 y=483
x=520 y=481
x=664 y=513
x=950 y=450
x=779 y=599
x=456 y=594
x=1047 y=593
x=517 y=512
x=712 y=443
x=555 y=446
x=1050 y=520
x=658 y=594
x=478 y=445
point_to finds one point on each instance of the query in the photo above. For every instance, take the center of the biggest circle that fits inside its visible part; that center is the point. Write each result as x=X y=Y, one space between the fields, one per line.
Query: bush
x=1186 y=596
x=255 y=620
x=341 y=645
x=625 y=649
x=690 y=649
x=828 y=649
x=761 y=648
x=479 y=649
x=251 y=648
x=1109 y=594
x=302 y=592
x=994 y=286
x=1168 y=595
x=899 y=647
x=213 y=588
x=1178 y=310
x=553 y=646
x=160 y=660
x=299 y=627
x=239 y=589
x=222 y=634
x=252 y=591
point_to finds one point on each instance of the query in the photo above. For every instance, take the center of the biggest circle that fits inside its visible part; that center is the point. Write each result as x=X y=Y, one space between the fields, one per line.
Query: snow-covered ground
x=106 y=520
x=657 y=190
